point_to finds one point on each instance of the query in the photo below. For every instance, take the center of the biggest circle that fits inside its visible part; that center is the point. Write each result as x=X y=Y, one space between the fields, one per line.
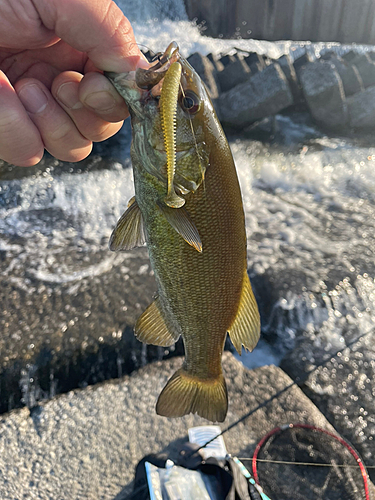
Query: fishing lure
x=168 y=110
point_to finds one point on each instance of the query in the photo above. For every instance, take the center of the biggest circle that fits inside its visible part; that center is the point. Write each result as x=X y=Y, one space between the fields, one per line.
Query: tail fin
x=185 y=394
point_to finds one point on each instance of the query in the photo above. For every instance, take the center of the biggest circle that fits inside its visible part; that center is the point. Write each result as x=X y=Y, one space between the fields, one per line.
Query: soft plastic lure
x=168 y=110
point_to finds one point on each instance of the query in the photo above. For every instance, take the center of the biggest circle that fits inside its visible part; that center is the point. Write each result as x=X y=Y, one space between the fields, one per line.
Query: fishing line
x=135 y=492
x=302 y=433
x=313 y=464
x=298 y=380
x=269 y=400
x=195 y=141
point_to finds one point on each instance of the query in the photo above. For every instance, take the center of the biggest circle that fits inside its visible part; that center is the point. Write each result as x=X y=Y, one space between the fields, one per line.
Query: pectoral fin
x=245 y=329
x=151 y=327
x=129 y=230
x=180 y=220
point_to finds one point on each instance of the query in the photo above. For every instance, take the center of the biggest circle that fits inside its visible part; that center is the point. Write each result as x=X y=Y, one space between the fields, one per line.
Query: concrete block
x=255 y=58
x=206 y=71
x=350 y=56
x=328 y=55
x=361 y=109
x=215 y=61
x=85 y=445
x=324 y=94
x=211 y=57
x=351 y=80
x=287 y=67
x=302 y=61
x=256 y=62
x=264 y=94
x=233 y=74
x=366 y=68
x=227 y=59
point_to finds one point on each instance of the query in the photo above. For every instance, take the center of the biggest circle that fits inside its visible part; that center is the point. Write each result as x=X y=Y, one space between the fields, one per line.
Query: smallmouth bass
x=188 y=209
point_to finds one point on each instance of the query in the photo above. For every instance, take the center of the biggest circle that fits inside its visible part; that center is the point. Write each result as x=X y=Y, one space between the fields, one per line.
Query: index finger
x=98 y=28
x=20 y=140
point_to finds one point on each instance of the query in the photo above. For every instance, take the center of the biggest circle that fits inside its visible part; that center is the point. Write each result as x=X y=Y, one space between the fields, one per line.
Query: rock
x=364 y=65
x=361 y=109
x=287 y=67
x=233 y=74
x=217 y=64
x=349 y=75
x=86 y=444
x=302 y=60
x=324 y=94
x=258 y=60
x=328 y=55
x=350 y=56
x=264 y=94
x=211 y=57
x=343 y=389
x=206 y=71
x=227 y=59
x=255 y=68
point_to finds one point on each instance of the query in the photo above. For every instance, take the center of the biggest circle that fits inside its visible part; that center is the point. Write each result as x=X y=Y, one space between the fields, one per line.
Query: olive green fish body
x=198 y=252
x=202 y=289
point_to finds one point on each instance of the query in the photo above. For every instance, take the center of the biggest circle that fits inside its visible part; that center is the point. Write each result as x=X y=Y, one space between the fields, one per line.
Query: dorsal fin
x=245 y=329
x=151 y=327
x=129 y=230
x=181 y=222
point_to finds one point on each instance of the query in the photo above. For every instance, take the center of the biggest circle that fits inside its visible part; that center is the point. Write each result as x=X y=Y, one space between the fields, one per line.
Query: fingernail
x=33 y=98
x=67 y=94
x=101 y=101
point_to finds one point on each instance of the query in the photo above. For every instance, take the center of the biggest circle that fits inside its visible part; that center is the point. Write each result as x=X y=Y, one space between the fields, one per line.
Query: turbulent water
x=309 y=204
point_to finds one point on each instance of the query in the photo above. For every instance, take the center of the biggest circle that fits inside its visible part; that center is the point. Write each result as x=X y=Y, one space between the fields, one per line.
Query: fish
x=188 y=209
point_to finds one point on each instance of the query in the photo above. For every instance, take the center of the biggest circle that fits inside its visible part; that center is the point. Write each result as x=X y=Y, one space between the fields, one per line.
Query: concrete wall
x=315 y=20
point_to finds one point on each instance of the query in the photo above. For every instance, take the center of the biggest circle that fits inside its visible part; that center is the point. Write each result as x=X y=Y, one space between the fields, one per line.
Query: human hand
x=52 y=94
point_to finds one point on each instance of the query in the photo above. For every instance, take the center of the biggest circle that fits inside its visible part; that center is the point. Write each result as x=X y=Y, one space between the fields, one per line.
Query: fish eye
x=190 y=102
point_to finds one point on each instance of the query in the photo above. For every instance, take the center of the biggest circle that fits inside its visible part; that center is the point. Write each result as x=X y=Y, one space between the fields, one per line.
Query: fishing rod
x=298 y=381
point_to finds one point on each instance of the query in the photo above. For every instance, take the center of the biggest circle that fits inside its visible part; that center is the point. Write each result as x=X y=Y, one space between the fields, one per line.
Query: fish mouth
x=142 y=81
x=148 y=78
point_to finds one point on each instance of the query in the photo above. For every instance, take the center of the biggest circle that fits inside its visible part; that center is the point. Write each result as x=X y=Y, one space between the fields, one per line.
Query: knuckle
x=66 y=143
x=61 y=133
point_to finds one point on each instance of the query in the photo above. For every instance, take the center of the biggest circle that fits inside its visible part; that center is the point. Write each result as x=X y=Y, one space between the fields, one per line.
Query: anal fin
x=245 y=329
x=129 y=230
x=181 y=222
x=151 y=327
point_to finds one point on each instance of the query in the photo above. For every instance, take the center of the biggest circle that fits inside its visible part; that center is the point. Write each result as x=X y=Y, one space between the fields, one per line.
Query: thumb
x=97 y=27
